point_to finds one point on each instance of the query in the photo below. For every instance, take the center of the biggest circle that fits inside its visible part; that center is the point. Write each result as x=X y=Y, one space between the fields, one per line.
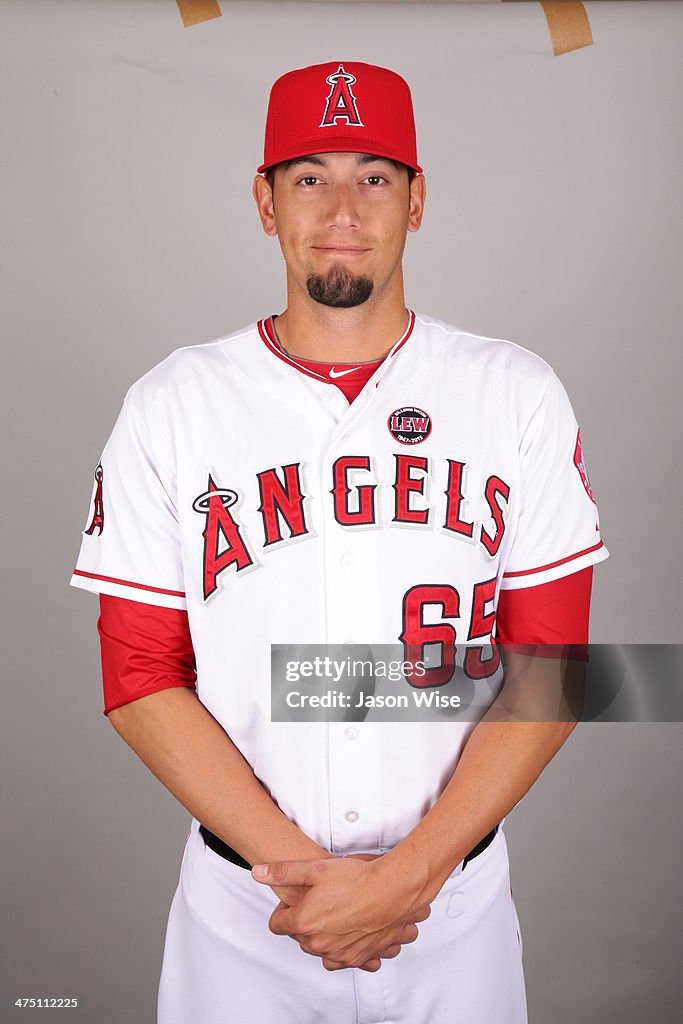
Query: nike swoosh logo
x=342 y=373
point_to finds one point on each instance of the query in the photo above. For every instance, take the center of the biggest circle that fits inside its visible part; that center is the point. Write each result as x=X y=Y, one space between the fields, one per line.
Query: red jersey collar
x=268 y=336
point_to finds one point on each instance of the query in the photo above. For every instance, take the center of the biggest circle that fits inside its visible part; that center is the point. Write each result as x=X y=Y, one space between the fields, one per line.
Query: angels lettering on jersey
x=353 y=504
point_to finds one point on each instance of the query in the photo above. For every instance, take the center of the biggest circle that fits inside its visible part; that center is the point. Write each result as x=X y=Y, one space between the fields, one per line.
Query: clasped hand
x=351 y=911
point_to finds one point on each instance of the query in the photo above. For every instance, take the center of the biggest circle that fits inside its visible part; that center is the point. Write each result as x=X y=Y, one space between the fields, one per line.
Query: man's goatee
x=339 y=287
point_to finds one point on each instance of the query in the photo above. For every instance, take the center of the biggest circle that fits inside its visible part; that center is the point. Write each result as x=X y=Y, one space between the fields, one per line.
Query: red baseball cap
x=346 y=107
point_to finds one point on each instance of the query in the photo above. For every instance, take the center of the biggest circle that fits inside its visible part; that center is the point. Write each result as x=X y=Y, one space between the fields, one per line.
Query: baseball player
x=346 y=472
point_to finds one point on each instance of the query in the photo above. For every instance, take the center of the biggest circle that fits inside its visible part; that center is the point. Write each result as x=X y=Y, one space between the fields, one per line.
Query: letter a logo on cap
x=341 y=103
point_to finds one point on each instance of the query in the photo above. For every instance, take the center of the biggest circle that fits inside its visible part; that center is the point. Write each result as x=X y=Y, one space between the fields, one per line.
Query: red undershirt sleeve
x=144 y=648
x=554 y=614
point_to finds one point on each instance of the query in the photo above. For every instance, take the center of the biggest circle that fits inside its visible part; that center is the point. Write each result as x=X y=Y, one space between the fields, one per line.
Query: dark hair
x=269 y=173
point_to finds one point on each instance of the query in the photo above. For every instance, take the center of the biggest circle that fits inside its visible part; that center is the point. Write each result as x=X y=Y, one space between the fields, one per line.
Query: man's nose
x=343 y=208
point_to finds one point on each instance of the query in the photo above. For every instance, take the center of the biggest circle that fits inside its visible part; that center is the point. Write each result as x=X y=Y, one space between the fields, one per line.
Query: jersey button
x=352 y=816
x=351 y=733
x=326 y=395
x=346 y=561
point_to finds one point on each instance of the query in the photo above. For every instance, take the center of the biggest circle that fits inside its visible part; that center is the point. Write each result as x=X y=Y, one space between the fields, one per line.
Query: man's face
x=341 y=219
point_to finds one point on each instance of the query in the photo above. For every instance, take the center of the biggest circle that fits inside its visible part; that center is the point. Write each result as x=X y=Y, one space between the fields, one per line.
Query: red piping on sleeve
x=551 y=565
x=127 y=583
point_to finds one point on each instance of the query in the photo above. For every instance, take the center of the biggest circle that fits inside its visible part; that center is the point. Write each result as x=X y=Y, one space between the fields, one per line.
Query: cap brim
x=337 y=144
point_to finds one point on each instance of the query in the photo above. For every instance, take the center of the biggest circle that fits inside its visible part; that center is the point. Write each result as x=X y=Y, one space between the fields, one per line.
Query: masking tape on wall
x=193 y=12
x=569 y=26
x=567 y=21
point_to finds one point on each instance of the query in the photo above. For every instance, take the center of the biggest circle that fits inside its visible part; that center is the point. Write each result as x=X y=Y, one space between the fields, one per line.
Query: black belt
x=223 y=850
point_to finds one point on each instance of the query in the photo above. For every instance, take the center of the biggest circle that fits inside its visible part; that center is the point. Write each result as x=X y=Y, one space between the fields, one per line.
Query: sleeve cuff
x=172 y=684
x=555 y=570
x=95 y=583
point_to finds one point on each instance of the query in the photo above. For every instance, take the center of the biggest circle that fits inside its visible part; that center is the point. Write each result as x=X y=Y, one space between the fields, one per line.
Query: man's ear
x=263 y=197
x=418 y=195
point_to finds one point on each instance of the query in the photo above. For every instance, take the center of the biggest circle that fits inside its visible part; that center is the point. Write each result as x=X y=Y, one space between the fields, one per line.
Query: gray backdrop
x=553 y=219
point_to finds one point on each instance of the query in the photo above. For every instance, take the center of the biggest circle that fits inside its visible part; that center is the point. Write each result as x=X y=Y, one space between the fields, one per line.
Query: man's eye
x=374 y=179
x=309 y=179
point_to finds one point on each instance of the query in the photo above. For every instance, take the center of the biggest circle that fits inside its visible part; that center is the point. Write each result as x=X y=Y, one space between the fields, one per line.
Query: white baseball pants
x=222 y=964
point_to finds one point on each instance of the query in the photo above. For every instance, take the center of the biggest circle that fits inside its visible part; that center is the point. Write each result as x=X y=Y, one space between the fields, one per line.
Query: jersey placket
x=354 y=757
x=348 y=586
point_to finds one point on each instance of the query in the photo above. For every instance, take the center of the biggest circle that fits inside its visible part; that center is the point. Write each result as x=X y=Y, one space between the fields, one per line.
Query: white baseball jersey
x=252 y=494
